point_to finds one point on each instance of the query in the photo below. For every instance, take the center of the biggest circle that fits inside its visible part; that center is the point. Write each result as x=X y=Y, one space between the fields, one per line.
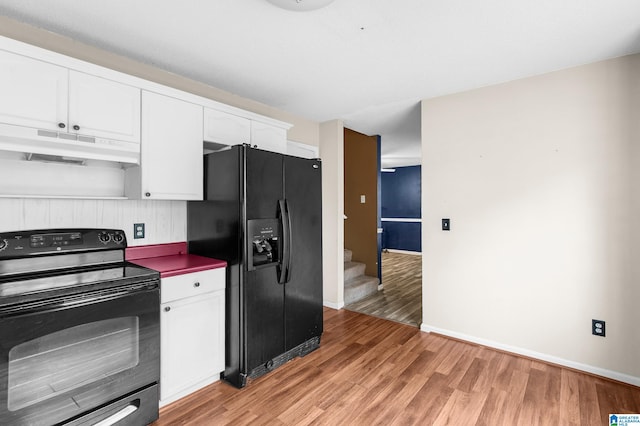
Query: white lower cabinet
x=192 y=332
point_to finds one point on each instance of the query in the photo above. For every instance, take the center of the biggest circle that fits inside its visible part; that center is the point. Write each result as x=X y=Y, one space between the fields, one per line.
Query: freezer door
x=303 y=291
x=262 y=294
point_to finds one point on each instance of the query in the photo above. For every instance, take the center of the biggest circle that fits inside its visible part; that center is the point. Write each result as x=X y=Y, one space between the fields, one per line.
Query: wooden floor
x=371 y=371
x=401 y=297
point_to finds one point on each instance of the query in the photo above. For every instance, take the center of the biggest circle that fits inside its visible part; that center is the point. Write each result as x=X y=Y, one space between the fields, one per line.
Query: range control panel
x=50 y=241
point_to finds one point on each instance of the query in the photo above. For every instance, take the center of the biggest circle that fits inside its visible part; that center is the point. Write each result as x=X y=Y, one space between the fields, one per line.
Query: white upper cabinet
x=223 y=128
x=226 y=129
x=303 y=150
x=40 y=95
x=95 y=132
x=268 y=137
x=171 y=150
x=34 y=93
x=103 y=108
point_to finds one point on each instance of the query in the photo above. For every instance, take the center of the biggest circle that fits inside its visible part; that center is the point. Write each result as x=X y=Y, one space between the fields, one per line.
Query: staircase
x=356 y=285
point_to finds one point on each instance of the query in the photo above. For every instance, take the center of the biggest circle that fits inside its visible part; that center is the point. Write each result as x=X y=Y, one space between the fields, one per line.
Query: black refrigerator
x=262 y=214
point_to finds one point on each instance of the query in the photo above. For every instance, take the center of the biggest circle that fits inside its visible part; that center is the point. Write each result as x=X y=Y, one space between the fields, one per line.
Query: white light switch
x=363 y=199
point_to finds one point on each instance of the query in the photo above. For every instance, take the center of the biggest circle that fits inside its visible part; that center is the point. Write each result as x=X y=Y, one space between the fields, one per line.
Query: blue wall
x=401 y=199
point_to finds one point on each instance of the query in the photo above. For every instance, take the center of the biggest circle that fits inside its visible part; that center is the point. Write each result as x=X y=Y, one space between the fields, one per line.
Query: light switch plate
x=363 y=199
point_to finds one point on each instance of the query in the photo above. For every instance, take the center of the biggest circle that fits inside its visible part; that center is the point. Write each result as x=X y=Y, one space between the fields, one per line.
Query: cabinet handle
x=62 y=125
x=76 y=127
x=196 y=284
x=167 y=308
x=147 y=194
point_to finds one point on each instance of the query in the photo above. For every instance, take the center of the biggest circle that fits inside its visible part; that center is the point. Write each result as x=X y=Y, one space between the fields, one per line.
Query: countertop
x=171 y=259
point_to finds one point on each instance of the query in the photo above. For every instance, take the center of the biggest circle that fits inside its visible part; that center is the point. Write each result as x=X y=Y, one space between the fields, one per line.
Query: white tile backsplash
x=165 y=221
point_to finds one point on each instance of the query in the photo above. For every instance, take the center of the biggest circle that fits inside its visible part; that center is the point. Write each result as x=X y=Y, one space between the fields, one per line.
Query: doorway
x=398 y=265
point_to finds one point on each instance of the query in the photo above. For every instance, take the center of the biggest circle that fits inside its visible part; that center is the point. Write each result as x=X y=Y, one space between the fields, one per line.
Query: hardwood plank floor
x=401 y=297
x=371 y=371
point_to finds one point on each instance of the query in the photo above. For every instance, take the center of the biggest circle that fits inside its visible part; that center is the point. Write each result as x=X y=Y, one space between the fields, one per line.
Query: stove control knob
x=3 y=244
x=104 y=237
x=118 y=238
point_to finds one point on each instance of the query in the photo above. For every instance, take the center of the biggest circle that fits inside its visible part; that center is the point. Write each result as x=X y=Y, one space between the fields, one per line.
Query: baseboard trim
x=609 y=374
x=332 y=305
x=418 y=253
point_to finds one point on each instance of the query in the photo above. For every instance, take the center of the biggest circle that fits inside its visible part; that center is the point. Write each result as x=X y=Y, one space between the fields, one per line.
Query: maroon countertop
x=170 y=259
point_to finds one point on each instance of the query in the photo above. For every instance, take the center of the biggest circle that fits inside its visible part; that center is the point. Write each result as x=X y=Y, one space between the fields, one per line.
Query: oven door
x=63 y=358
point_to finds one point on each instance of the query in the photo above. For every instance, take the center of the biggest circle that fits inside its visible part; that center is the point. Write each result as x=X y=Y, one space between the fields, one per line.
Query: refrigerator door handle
x=289 y=242
x=284 y=260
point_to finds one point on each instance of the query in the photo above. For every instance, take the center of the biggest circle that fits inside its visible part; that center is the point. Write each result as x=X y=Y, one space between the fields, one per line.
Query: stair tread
x=353 y=270
x=348 y=265
x=361 y=279
x=359 y=287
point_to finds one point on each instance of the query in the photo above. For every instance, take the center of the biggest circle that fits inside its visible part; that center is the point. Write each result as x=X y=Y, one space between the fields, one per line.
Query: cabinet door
x=33 y=93
x=171 y=151
x=302 y=150
x=224 y=128
x=192 y=343
x=103 y=108
x=268 y=137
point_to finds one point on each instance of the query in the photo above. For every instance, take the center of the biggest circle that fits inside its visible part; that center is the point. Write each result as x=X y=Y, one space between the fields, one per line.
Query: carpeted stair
x=356 y=285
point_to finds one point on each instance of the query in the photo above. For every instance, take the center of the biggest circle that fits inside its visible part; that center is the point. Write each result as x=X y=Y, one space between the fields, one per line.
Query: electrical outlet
x=598 y=328
x=138 y=230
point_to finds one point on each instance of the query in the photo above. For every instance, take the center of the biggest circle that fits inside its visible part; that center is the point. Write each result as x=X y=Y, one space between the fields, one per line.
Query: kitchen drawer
x=191 y=284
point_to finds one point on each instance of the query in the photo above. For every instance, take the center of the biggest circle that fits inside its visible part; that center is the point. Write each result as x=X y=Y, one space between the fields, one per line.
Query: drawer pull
x=196 y=284
x=167 y=308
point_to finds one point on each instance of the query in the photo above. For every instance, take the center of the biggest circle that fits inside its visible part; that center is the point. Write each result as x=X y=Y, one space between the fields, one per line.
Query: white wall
x=332 y=154
x=538 y=178
x=632 y=292
x=165 y=221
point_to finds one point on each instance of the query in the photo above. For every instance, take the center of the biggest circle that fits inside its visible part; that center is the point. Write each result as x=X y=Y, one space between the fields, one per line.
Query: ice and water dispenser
x=263 y=237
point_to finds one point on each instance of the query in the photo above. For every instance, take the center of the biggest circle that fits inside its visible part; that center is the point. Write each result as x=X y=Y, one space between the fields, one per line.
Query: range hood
x=61 y=144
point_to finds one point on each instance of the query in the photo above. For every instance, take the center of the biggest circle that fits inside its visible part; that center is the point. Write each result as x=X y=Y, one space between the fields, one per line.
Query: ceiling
x=367 y=62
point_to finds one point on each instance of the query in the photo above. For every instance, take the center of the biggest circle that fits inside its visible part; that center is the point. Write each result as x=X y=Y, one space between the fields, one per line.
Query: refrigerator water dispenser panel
x=263 y=241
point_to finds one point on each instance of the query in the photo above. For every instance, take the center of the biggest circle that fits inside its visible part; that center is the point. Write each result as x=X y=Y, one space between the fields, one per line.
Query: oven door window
x=68 y=359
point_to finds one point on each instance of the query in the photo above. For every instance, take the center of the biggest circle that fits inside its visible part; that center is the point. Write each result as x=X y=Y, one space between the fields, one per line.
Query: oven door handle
x=77 y=300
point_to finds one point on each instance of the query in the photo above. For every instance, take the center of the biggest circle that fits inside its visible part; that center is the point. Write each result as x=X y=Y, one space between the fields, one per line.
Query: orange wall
x=361 y=178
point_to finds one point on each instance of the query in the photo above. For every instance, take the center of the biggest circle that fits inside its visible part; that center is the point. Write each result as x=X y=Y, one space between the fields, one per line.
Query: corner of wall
x=332 y=155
